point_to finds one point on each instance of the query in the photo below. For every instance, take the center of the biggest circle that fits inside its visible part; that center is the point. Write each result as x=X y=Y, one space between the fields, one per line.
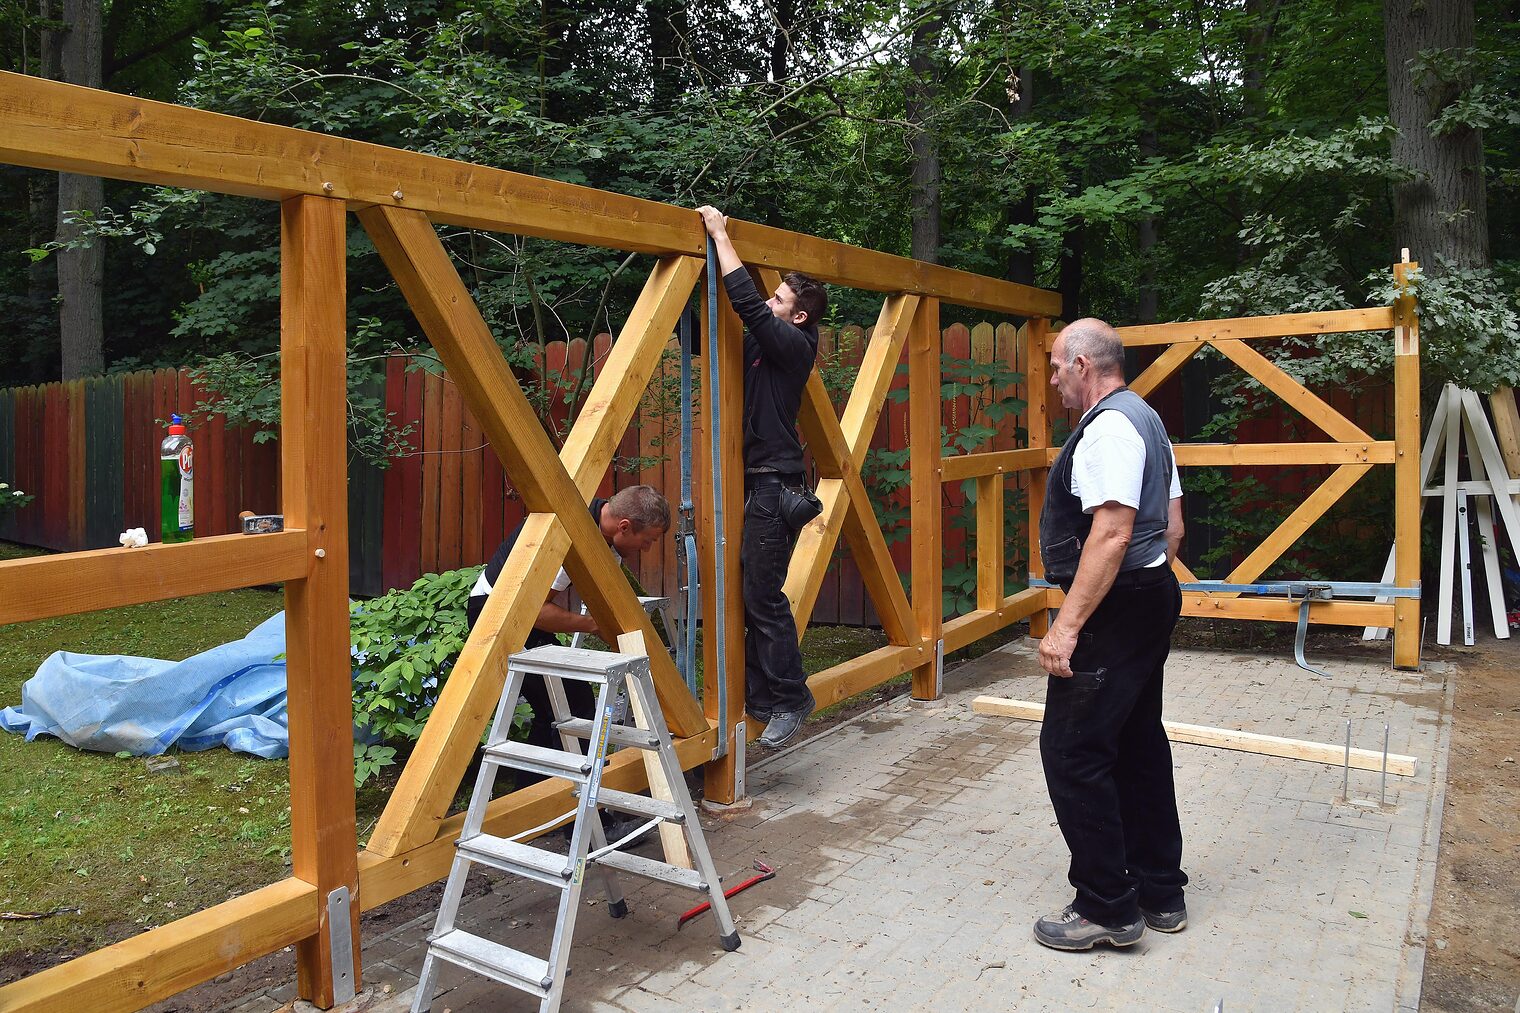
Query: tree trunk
x=80 y=271
x=781 y=40
x=1021 y=265
x=922 y=95
x=1443 y=210
x=1148 y=302
x=1261 y=25
x=1070 y=283
x=667 y=30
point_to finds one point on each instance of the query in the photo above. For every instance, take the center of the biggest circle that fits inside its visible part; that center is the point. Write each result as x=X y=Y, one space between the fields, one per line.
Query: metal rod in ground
x=1383 y=790
x=1346 y=773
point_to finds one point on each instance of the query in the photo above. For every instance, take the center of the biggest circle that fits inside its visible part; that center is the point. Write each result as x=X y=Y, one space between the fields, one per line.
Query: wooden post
x=723 y=349
x=313 y=469
x=1406 y=469
x=989 y=542
x=1037 y=381
x=925 y=473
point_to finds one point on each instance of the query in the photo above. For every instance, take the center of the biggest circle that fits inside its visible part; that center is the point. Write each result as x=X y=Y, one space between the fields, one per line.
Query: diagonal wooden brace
x=561 y=528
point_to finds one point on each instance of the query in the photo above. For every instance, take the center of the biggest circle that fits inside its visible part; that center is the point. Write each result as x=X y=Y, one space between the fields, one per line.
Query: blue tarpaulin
x=232 y=695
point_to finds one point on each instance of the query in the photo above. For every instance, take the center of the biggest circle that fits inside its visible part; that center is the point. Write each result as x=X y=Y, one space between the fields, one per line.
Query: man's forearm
x=1096 y=570
x=728 y=259
x=553 y=618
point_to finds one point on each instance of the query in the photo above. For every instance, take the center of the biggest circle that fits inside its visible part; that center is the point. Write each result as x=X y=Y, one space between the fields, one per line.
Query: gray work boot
x=1165 y=921
x=1067 y=930
x=785 y=724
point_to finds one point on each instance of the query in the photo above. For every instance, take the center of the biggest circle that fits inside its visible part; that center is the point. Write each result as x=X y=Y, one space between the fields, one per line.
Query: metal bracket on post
x=741 y=739
x=939 y=668
x=340 y=935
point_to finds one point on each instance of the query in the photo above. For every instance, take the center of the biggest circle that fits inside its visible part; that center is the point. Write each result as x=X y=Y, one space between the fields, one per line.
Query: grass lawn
x=132 y=849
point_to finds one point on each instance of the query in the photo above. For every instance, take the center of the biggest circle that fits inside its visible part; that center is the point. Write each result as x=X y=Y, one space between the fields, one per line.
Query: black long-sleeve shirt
x=778 y=356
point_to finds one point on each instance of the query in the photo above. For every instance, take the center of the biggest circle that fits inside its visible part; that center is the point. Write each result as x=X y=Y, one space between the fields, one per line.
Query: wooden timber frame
x=399 y=197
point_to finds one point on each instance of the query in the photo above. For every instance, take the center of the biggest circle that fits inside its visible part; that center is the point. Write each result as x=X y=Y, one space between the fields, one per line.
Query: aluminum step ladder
x=612 y=674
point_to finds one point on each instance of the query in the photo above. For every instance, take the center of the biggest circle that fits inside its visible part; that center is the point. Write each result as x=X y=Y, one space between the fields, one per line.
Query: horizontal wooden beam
x=1229 y=738
x=857 y=675
x=49 y=125
x=41 y=587
x=162 y=962
x=963 y=466
x=973 y=626
x=1373 y=318
x=1224 y=455
x=1217 y=605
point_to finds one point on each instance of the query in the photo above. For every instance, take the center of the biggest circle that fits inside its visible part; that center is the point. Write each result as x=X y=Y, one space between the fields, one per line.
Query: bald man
x=1109 y=531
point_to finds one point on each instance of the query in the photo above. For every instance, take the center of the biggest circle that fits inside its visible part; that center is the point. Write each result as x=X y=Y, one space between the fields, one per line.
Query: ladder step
x=649 y=869
x=510 y=856
x=640 y=805
x=501 y=963
x=573 y=663
x=619 y=735
x=538 y=760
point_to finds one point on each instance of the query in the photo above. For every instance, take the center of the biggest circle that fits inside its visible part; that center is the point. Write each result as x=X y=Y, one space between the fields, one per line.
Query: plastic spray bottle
x=176 y=462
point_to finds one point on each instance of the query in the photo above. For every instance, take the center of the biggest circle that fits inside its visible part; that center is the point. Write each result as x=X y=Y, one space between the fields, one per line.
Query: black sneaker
x=1067 y=930
x=785 y=724
x=1165 y=921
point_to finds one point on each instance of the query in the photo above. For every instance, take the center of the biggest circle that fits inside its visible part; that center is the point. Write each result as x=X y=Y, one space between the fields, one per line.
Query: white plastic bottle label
x=186 y=488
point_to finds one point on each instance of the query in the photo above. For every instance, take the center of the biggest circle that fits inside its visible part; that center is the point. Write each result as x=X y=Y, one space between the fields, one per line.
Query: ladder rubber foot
x=618 y=910
x=731 y=941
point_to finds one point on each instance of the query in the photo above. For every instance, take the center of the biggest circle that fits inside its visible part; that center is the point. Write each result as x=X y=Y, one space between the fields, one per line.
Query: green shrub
x=405 y=644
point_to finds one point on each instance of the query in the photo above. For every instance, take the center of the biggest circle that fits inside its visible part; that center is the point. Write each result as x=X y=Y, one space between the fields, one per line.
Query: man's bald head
x=1097 y=342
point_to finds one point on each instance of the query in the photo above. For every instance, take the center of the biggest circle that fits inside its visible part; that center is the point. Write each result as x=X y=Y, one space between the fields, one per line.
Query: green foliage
x=12 y=499
x=405 y=643
x=1469 y=324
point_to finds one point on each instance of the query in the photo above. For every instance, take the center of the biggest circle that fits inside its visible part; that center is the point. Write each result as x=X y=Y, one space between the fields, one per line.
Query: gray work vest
x=1063 y=525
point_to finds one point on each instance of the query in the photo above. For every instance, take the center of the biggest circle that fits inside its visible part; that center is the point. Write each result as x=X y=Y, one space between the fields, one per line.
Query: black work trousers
x=773 y=677
x=535 y=692
x=1107 y=761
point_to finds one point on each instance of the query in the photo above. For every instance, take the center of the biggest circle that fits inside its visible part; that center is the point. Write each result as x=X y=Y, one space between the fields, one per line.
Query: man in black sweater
x=631 y=521
x=780 y=346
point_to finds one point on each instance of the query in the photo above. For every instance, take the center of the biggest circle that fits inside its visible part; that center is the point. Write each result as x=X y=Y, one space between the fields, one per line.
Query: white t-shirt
x=483 y=586
x=1109 y=466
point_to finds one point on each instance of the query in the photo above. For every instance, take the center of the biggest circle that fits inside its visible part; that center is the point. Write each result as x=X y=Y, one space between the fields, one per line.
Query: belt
x=1145 y=576
x=758 y=479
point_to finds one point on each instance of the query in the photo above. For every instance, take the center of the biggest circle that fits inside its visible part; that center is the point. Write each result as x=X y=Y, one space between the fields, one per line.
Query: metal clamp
x=1309 y=593
x=340 y=936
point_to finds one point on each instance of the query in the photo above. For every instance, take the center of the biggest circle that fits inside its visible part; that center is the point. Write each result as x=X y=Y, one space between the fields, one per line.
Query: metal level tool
x=610 y=673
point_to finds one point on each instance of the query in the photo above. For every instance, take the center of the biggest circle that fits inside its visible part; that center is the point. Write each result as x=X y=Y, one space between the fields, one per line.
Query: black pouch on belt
x=798 y=506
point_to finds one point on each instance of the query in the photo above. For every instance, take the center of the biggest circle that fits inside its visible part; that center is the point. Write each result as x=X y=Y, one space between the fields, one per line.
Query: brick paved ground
x=916 y=846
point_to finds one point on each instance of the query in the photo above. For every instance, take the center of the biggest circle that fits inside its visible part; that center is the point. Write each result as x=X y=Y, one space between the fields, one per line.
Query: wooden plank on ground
x=1228 y=738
